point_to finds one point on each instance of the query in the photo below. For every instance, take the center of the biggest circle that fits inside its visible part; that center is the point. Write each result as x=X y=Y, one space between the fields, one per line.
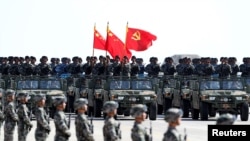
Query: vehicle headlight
x=225 y=99
x=238 y=98
x=120 y=97
x=132 y=99
x=147 y=97
x=211 y=98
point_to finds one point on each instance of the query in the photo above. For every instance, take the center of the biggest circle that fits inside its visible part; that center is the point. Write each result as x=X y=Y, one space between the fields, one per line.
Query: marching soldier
x=24 y=124
x=11 y=117
x=84 y=130
x=226 y=119
x=61 y=123
x=138 y=132
x=173 y=117
x=111 y=128
x=43 y=128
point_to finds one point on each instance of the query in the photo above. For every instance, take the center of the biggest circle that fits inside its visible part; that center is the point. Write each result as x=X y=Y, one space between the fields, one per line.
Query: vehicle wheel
x=127 y=112
x=168 y=104
x=212 y=111
x=104 y=115
x=195 y=114
x=90 y=111
x=244 y=112
x=204 y=111
x=160 y=109
x=97 y=108
x=185 y=108
x=153 y=111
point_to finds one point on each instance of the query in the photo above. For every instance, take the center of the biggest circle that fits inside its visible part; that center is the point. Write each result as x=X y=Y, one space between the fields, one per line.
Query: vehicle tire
x=244 y=112
x=160 y=109
x=211 y=111
x=195 y=113
x=97 y=108
x=153 y=111
x=185 y=108
x=168 y=104
x=127 y=113
x=204 y=111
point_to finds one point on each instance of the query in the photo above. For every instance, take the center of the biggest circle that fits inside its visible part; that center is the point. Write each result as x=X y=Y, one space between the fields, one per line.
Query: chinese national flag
x=99 y=41
x=139 y=40
x=115 y=46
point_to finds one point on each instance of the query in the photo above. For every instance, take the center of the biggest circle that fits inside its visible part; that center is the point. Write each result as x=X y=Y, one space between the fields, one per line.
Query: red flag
x=115 y=46
x=99 y=41
x=139 y=40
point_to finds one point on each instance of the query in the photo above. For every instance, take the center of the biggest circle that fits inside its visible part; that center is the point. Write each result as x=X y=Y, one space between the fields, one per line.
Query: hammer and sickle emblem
x=136 y=36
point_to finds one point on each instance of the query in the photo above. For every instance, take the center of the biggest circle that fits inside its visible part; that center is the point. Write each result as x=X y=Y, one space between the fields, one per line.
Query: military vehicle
x=212 y=95
x=130 y=91
x=247 y=84
x=51 y=87
x=95 y=97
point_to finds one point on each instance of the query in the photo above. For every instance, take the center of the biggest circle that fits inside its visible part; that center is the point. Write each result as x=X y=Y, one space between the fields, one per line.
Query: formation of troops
x=104 y=65
x=10 y=116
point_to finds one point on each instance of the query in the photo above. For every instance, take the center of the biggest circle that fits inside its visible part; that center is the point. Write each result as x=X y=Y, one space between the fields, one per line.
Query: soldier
x=11 y=117
x=24 y=124
x=226 y=119
x=1 y=107
x=173 y=117
x=134 y=67
x=43 y=68
x=111 y=128
x=61 y=123
x=138 y=132
x=43 y=128
x=84 y=130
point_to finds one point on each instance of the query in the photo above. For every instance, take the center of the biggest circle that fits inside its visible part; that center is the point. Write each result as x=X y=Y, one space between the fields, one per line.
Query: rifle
x=185 y=134
x=150 y=132
x=118 y=131
x=91 y=124
x=69 y=119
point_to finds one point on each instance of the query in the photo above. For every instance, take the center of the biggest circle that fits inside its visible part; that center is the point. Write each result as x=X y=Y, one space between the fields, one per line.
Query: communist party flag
x=139 y=40
x=115 y=46
x=99 y=41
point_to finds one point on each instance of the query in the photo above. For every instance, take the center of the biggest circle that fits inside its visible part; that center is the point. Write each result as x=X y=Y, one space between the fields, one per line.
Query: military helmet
x=226 y=119
x=173 y=114
x=23 y=95
x=138 y=110
x=58 y=100
x=80 y=102
x=9 y=92
x=39 y=97
x=109 y=106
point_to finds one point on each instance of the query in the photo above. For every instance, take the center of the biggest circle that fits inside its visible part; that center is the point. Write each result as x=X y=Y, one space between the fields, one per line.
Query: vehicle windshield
x=232 y=85
x=27 y=84
x=210 y=85
x=141 y=85
x=120 y=85
x=50 y=84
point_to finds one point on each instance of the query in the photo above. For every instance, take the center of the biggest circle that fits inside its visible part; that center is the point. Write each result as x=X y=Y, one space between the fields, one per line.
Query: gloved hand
x=67 y=133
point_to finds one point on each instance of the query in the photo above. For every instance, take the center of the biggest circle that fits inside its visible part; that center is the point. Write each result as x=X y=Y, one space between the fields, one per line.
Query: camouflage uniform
x=61 y=123
x=226 y=119
x=1 y=112
x=11 y=118
x=43 y=128
x=84 y=130
x=172 y=133
x=111 y=129
x=139 y=132
x=24 y=124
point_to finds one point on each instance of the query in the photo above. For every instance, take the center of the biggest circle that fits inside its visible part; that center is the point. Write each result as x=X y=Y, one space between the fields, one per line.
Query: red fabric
x=115 y=46
x=99 y=41
x=139 y=40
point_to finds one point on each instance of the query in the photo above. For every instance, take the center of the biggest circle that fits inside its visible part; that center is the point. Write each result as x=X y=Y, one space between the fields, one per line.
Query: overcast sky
x=58 y=28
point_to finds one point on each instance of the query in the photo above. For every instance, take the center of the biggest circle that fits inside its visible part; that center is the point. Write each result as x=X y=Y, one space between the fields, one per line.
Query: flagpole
x=107 y=37
x=94 y=40
x=125 y=43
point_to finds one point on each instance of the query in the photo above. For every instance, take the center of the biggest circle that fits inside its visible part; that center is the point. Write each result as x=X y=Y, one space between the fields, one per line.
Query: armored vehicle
x=52 y=87
x=130 y=91
x=211 y=95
